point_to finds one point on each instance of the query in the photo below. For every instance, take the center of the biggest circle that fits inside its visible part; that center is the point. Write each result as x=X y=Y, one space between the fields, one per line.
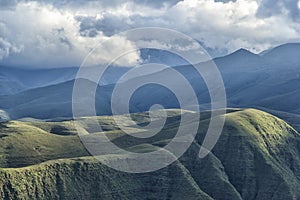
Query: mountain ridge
x=251 y=160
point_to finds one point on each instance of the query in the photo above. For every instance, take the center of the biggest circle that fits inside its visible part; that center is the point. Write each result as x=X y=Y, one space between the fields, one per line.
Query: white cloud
x=217 y=25
x=7 y=48
x=49 y=36
x=117 y=50
x=61 y=33
x=232 y=25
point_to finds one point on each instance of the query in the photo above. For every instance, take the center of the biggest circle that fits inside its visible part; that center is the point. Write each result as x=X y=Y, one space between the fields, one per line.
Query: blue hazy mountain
x=162 y=57
x=269 y=81
x=14 y=80
x=17 y=79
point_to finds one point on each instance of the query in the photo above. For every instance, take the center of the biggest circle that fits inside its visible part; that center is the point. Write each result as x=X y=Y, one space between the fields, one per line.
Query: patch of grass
x=27 y=144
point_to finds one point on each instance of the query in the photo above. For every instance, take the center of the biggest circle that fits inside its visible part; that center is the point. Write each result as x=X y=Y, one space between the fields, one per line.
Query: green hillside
x=256 y=157
x=26 y=143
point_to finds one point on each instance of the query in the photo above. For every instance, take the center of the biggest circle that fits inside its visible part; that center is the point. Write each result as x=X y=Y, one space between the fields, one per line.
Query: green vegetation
x=26 y=143
x=256 y=157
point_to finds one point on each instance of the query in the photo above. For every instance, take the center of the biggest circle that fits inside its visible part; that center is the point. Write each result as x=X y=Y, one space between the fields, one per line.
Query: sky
x=61 y=33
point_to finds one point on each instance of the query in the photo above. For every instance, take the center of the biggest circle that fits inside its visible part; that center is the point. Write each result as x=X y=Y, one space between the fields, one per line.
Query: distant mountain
x=250 y=81
x=49 y=102
x=55 y=101
x=285 y=55
x=238 y=59
x=269 y=81
x=161 y=57
x=14 y=80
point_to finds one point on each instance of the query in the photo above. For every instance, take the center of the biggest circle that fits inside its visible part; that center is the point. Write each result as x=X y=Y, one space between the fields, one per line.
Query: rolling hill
x=256 y=157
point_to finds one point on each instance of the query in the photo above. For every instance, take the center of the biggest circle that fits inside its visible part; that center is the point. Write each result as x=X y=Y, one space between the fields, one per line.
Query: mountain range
x=268 y=80
x=257 y=157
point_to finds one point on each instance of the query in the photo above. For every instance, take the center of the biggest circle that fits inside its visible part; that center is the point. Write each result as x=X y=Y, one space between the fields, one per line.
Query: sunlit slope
x=23 y=143
x=28 y=143
x=256 y=157
x=260 y=155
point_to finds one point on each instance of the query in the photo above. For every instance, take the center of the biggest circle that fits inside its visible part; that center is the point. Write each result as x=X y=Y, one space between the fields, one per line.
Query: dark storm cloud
x=225 y=1
x=268 y=8
x=10 y=4
x=7 y=4
x=157 y=3
x=149 y=3
x=109 y=25
x=60 y=33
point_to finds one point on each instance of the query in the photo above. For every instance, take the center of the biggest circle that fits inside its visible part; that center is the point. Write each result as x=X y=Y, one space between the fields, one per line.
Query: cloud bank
x=52 y=33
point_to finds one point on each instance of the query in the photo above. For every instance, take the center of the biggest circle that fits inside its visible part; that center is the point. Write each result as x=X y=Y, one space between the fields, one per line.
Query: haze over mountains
x=268 y=81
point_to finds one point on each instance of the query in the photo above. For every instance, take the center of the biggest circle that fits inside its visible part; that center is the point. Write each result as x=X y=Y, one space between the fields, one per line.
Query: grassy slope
x=24 y=143
x=257 y=157
x=89 y=179
x=292 y=119
x=260 y=155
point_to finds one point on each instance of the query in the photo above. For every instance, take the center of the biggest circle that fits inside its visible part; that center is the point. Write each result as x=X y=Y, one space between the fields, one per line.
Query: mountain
x=250 y=80
x=285 y=55
x=49 y=102
x=15 y=80
x=256 y=157
x=161 y=57
x=241 y=59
